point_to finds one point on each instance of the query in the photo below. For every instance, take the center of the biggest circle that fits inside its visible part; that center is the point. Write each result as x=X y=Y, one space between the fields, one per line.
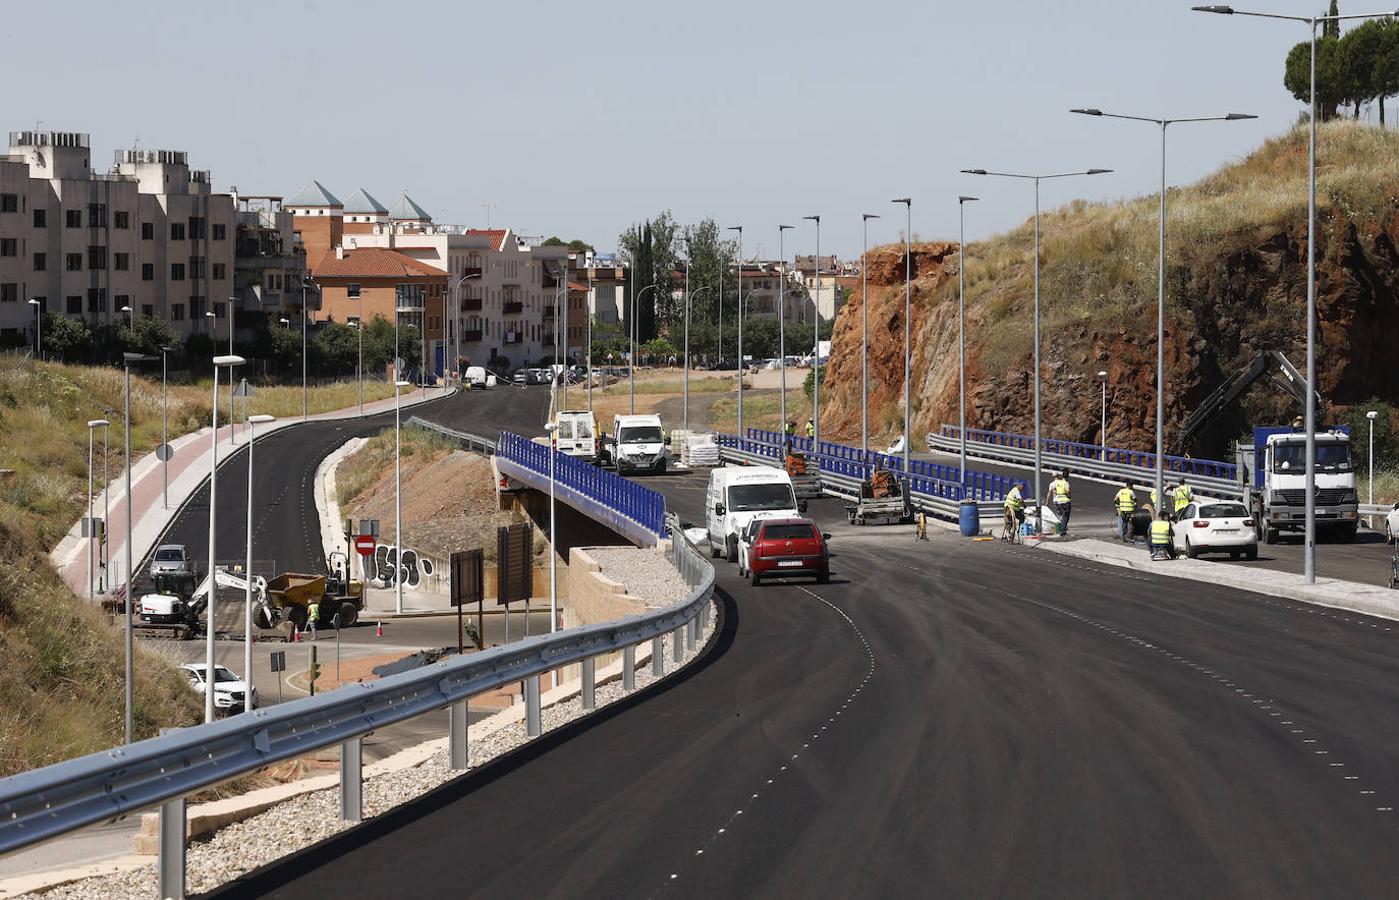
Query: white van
x=739 y=494
x=476 y=376
x=575 y=434
x=637 y=444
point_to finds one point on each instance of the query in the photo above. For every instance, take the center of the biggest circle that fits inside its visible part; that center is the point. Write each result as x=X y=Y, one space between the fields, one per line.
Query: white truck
x=1276 y=491
x=739 y=494
x=637 y=444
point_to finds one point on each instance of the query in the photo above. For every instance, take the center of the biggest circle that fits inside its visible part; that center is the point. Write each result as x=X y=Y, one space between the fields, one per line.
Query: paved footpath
x=188 y=468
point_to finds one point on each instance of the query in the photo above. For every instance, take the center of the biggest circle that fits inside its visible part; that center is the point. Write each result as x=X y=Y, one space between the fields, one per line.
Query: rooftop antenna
x=488 y=207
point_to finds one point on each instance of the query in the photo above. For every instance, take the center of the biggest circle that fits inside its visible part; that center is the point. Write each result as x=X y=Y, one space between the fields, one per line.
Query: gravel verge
x=645 y=574
x=309 y=819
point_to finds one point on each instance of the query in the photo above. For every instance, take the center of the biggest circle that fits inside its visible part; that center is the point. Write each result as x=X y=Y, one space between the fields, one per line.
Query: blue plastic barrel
x=969 y=517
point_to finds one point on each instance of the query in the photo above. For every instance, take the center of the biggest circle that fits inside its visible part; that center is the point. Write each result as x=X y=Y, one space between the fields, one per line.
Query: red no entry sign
x=364 y=544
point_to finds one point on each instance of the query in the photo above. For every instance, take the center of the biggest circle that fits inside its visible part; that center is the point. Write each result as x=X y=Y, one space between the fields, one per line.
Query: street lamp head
x=785 y=227
x=1098 y=172
x=126 y=309
x=402 y=384
x=549 y=427
x=284 y=320
x=1222 y=10
x=229 y=360
x=738 y=228
x=209 y=314
x=965 y=199
x=1102 y=374
x=1236 y=117
x=867 y=216
x=34 y=302
x=129 y=358
x=97 y=423
x=261 y=419
x=906 y=201
x=1372 y=415
x=973 y=172
x=1087 y=112
x=816 y=219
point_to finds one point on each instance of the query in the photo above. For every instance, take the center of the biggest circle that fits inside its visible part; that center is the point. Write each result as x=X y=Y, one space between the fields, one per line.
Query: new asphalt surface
x=946 y=719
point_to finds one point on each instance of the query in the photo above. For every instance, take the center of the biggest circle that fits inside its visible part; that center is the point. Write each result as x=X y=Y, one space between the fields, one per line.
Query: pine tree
x=1332 y=28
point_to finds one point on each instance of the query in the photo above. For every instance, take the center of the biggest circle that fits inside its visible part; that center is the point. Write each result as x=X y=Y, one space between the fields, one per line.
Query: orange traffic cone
x=295 y=635
x=379 y=631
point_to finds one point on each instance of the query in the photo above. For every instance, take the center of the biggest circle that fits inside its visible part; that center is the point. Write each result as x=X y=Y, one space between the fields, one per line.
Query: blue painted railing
x=925 y=477
x=640 y=504
x=1183 y=465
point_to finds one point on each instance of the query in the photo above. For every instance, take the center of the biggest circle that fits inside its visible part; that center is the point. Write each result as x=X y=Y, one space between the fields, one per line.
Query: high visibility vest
x=1183 y=496
x=1060 y=486
x=1014 y=500
x=1155 y=504
x=313 y=611
x=810 y=430
x=1160 y=531
x=790 y=428
x=1126 y=500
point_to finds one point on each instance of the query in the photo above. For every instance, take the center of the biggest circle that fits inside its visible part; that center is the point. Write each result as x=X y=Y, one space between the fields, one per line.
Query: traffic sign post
x=364 y=545
x=279 y=665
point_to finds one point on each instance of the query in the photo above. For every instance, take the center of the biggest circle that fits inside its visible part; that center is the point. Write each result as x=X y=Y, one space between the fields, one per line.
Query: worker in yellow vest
x=1015 y=513
x=1061 y=498
x=1161 y=541
x=313 y=615
x=1125 y=502
x=1182 y=496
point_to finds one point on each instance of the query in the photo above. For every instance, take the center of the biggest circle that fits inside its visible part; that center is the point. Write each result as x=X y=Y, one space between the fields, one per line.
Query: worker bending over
x=1181 y=495
x=1015 y=513
x=1161 y=543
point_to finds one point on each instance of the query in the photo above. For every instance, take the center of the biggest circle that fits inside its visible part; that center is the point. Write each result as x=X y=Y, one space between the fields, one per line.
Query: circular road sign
x=364 y=545
x=164 y=452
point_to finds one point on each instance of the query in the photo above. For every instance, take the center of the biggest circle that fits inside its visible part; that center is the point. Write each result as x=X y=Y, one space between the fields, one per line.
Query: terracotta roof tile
x=374 y=262
x=497 y=234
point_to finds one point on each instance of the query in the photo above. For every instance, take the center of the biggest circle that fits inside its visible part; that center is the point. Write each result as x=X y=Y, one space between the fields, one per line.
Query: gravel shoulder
x=645 y=574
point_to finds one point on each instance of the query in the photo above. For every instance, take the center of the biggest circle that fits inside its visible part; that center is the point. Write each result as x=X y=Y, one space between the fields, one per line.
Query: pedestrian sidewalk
x=1367 y=599
x=188 y=467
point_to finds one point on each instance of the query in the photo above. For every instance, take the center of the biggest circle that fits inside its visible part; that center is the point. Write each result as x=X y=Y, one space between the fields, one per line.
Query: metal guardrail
x=1212 y=469
x=636 y=512
x=64 y=797
x=468 y=441
x=1084 y=465
x=1376 y=509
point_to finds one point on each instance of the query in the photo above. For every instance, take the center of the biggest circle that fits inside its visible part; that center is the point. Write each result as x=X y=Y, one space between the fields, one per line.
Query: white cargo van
x=475 y=376
x=637 y=444
x=575 y=434
x=739 y=494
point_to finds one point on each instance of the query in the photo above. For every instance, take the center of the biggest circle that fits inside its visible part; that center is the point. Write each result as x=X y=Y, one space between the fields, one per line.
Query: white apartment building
x=762 y=284
x=149 y=234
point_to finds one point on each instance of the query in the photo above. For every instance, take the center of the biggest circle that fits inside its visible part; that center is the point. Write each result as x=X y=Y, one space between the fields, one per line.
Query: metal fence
x=467 y=441
x=587 y=485
x=161 y=771
x=1132 y=459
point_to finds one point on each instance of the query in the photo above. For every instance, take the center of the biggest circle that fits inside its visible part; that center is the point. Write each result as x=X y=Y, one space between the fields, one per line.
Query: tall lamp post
x=631 y=363
x=398 y=385
x=549 y=428
x=38 y=326
x=1372 y=415
x=209 y=610
x=908 y=309
x=686 y=380
x=164 y=430
x=1103 y=433
x=782 y=323
x=253 y=422
x=232 y=422
x=128 y=360
x=738 y=281
x=1161 y=281
x=1039 y=444
x=962 y=334
x=91 y=527
x=865 y=333
x=816 y=344
x=456 y=330
x=308 y=281
x=1309 y=559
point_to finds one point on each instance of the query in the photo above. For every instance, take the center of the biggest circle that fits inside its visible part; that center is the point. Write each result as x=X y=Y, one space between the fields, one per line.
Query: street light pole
x=782 y=322
x=1039 y=443
x=398 y=385
x=38 y=327
x=213 y=591
x=689 y=252
x=164 y=431
x=1161 y=284
x=1103 y=433
x=816 y=345
x=232 y=422
x=1372 y=415
x=631 y=363
x=549 y=428
x=738 y=278
x=962 y=333
x=128 y=359
x=908 y=309
x=591 y=304
x=1309 y=559
x=305 y=403
x=865 y=333
x=253 y=422
x=91 y=528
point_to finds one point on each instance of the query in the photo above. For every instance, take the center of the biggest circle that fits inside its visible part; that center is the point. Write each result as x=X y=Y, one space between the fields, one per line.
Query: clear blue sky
x=580 y=119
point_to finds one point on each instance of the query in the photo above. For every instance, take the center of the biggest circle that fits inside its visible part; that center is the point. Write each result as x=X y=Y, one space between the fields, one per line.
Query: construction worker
x=790 y=429
x=1125 y=502
x=1182 y=495
x=313 y=613
x=1060 y=497
x=810 y=428
x=1160 y=543
x=1015 y=512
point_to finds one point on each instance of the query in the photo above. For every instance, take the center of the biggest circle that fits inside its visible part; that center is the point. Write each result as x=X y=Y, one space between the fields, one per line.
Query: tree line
x=1359 y=67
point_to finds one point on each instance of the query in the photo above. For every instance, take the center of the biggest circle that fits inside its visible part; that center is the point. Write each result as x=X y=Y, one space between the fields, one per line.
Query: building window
x=97 y=257
x=74 y=262
x=9 y=203
x=147 y=231
x=97 y=215
x=41 y=262
x=96 y=300
x=148 y=310
x=177 y=312
x=352 y=291
x=196 y=267
x=218 y=310
x=177 y=231
x=196 y=307
x=121 y=219
x=122 y=300
x=219 y=231
x=74 y=305
x=73 y=218
x=9 y=292
x=219 y=271
x=148 y=271
x=196 y=228
x=9 y=247
x=41 y=218
x=123 y=262
x=177 y=273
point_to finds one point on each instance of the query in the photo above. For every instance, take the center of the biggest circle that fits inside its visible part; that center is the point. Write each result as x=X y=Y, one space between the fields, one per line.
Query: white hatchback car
x=1391 y=524
x=1216 y=526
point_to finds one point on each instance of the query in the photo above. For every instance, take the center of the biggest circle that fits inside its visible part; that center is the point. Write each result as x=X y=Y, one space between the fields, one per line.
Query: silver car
x=170 y=559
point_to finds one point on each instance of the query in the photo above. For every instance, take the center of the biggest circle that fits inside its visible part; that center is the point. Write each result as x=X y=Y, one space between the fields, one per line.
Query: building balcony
x=471 y=304
x=470 y=271
x=471 y=336
x=513 y=307
x=513 y=337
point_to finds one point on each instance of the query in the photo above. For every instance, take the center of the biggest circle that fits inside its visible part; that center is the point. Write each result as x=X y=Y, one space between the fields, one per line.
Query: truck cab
x=1277 y=489
x=637 y=444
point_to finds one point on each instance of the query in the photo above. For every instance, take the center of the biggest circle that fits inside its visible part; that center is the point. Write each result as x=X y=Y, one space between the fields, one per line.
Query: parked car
x=1216 y=526
x=229 y=690
x=521 y=376
x=171 y=559
x=786 y=547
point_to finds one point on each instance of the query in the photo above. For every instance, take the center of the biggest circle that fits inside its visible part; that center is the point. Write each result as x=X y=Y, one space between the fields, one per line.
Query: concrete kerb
x=1352 y=596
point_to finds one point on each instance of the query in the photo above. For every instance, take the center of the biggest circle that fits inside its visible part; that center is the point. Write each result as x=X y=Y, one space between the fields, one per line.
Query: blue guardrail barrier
x=1183 y=465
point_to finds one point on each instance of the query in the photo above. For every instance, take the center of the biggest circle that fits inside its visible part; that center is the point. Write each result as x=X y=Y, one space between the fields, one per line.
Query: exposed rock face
x=1225 y=304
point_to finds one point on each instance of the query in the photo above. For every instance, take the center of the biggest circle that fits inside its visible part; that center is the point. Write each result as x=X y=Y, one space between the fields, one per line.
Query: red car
x=789 y=547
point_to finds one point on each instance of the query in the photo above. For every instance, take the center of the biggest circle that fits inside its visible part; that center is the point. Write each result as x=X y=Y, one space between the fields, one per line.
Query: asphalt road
x=945 y=719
